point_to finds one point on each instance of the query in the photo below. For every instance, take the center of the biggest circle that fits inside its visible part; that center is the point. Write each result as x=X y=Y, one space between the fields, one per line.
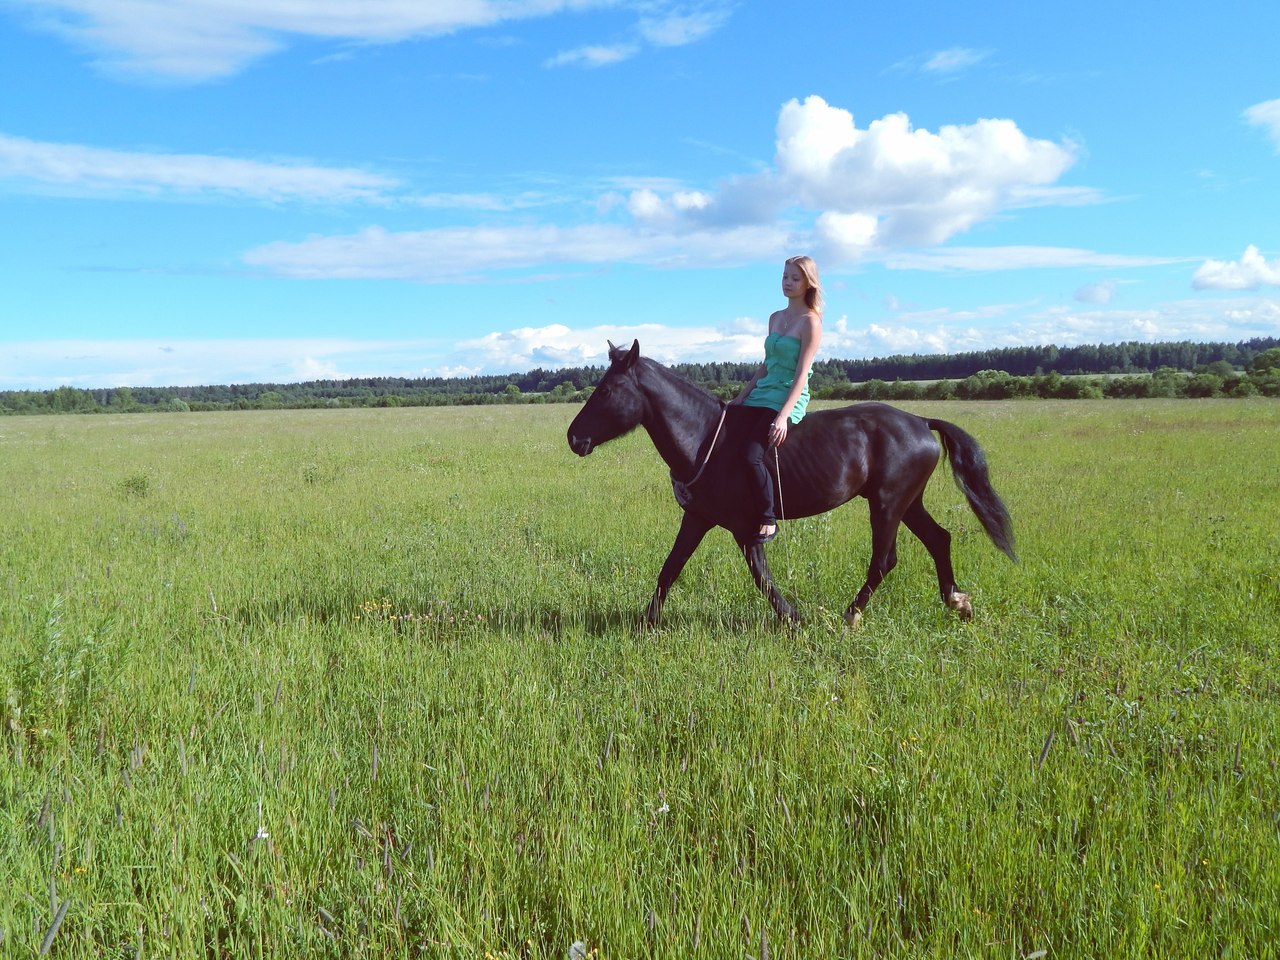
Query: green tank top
x=781 y=353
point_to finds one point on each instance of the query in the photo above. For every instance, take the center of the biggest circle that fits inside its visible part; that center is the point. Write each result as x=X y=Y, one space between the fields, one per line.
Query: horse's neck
x=680 y=419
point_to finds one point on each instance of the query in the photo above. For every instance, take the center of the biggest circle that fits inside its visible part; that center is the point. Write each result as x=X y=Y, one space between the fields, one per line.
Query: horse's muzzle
x=580 y=445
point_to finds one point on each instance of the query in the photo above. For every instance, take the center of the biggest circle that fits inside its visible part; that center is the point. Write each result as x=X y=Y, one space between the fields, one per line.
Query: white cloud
x=198 y=40
x=1250 y=272
x=1017 y=258
x=1025 y=197
x=925 y=187
x=1101 y=292
x=48 y=364
x=1267 y=116
x=204 y=39
x=920 y=187
x=659 y=26
x=79 y=168
x=309 y=368
x=1014 y=325
x=557 y=345
x=679 y=29
x=649 y=207
x=1177 y=320
x=463 y=254
x=594 y=56
x=483 y=201
x=844 y=193
x=848 y=235
x=953 y=60
x=907 y=332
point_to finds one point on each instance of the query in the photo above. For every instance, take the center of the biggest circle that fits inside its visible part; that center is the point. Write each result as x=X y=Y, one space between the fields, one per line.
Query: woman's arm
x=749 y=385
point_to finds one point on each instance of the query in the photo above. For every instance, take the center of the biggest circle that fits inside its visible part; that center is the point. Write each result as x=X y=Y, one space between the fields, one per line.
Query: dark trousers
x=755 y=423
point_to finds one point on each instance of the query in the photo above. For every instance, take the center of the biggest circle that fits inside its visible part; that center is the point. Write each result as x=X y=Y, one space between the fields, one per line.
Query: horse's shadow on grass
x=445 y=617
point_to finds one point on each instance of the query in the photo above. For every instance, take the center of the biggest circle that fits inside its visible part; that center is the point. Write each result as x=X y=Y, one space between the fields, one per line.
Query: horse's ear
x=623 y=359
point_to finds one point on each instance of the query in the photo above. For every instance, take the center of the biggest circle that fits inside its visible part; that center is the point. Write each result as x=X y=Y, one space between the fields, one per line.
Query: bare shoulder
x=809 y=331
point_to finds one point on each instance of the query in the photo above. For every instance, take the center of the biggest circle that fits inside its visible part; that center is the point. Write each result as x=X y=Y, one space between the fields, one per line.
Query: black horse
x=868 y=450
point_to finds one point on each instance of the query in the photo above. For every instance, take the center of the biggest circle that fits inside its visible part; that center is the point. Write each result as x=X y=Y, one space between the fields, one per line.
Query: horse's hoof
x=959 y=602
x=852 y=618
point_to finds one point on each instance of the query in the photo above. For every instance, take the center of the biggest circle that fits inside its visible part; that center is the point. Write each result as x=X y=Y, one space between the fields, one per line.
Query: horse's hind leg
x=937 y=541
x=884 y=557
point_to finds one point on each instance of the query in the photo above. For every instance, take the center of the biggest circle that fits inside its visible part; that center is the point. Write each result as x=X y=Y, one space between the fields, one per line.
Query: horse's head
x=614 y=408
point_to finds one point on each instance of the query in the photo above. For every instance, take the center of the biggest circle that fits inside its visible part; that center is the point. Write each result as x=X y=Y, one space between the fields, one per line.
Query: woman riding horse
x=868 y=450
x=778 y=393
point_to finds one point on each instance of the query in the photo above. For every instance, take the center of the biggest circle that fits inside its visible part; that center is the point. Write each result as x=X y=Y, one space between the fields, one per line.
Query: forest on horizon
x=1121 y=370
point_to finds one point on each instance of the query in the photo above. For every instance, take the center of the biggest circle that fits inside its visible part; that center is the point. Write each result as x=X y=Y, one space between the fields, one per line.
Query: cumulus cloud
x=1267 y=116
x=847 y=235
x=89 y=169
x=1250 y=272
x=891 y=184
x=924 y=187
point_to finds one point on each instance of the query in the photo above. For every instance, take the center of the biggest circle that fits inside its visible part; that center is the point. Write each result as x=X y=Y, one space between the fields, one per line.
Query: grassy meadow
x=369 y=683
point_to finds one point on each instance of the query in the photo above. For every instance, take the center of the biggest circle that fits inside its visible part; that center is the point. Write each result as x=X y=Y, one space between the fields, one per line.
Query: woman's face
x=794 y=282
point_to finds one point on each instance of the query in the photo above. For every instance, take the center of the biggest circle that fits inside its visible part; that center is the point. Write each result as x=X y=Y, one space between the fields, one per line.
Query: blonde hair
x=812 y=296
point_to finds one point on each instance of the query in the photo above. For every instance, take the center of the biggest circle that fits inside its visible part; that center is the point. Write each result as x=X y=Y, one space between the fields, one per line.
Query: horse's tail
x=969 y=468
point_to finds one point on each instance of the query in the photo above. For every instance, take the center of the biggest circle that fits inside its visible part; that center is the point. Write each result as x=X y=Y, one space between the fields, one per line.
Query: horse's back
x=836 y=454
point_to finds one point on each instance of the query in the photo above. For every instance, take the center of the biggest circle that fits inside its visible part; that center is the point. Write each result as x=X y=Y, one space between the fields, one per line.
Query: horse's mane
x=695 y=391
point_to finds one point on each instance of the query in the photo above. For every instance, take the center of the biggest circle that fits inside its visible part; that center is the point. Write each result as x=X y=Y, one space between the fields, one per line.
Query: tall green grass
x=369 y=683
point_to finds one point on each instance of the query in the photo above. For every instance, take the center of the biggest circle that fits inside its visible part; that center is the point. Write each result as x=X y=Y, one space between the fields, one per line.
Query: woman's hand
x=778 y=432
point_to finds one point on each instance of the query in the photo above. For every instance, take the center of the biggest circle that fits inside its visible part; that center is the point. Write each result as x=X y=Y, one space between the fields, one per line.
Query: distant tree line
x=1122 y=370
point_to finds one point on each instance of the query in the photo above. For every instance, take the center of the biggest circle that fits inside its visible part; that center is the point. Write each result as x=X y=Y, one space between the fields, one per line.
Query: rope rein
x=777 y=472
x=782 y=510
x=681 y=487
x=707 y=459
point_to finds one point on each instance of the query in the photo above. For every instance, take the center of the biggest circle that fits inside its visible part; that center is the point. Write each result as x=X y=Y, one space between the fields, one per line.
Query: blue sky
x=215 y=191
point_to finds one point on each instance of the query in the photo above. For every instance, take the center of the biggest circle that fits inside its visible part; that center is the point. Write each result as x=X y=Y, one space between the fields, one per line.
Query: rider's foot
x=767 y=532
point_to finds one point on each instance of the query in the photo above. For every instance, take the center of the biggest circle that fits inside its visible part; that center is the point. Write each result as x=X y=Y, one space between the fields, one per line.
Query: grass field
x=368 y=683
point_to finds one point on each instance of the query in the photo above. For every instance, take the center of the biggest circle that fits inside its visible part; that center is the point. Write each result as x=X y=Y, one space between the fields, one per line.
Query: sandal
x=760 y=538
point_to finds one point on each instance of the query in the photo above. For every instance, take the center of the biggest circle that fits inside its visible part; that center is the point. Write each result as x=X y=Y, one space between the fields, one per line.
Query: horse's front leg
x=692 y=530
x=759 y=566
